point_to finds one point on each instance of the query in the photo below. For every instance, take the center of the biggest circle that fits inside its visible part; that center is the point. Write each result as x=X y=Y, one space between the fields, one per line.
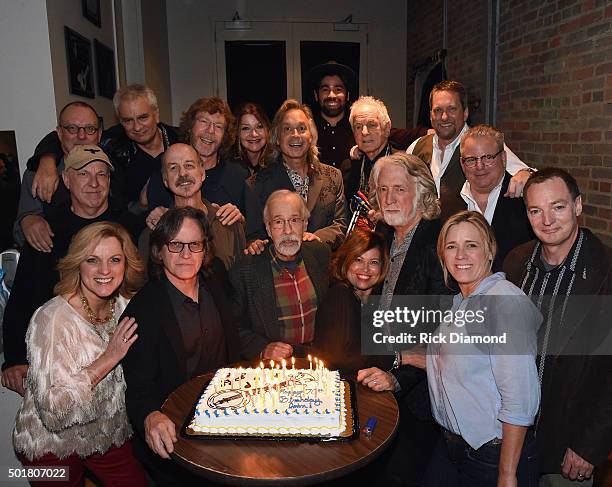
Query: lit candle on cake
x=271 y=364
x=284 y=362
x=293 y=363
x=310 y=361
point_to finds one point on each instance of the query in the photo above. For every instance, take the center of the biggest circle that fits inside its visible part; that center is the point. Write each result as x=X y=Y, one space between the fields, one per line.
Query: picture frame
x=91 y=11
x=80 y=64
x=105 y=70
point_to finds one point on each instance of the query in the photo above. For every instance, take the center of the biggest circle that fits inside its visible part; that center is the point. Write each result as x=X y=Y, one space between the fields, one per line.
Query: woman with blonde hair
x=73 y=414
x=484 y=388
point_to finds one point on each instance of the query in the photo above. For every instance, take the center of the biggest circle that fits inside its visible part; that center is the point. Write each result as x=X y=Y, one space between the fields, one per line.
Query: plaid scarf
x=296 y=301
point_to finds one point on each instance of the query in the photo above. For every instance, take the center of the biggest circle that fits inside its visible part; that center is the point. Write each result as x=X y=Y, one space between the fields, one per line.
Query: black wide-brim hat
x=332 y=68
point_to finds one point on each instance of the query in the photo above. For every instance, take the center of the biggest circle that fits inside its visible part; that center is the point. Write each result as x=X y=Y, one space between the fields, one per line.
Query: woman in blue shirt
x=482 y=377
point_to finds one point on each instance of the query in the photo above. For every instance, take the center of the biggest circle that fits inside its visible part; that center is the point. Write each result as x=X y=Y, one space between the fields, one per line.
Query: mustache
x=184 y=179
x=288 y=240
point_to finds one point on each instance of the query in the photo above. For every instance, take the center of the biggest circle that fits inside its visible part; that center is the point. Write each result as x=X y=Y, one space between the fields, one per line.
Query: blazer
x=576 y=402
x=421 y=274
x=254 y=299
x=325 y=198
x=155 y=364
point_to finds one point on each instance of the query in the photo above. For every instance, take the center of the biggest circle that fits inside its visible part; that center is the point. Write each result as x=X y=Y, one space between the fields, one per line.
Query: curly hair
x=275 y=134
x=212 y=105
x=82 y=245
x=415 y=168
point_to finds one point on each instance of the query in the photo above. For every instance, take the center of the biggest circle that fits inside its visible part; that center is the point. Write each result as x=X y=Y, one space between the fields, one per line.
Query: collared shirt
x=201 y=329
x=440 y=159
x=397 y=255
x=335 y=141
x=296 y=299
x=474 y=389
x=472 y=205
x=299 y=184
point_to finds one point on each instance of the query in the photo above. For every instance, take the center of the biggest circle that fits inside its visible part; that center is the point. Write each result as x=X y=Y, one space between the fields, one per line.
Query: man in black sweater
x=86 y=177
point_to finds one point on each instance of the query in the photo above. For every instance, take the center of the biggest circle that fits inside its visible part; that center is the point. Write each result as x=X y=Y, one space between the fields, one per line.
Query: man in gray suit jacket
x=276 y=293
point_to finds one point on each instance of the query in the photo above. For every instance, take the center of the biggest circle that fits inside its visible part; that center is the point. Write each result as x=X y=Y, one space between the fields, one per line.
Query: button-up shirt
x=474 y=389
x=472 y=205
x=441 y=158
x=335 y=141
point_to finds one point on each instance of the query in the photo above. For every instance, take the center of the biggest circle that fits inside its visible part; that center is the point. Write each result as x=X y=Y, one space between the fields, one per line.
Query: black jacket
x=421 y=274
x=576 y=402
x=155 y=364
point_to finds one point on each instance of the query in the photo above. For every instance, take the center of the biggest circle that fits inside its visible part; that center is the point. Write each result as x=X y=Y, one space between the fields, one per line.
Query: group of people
x=152 y=254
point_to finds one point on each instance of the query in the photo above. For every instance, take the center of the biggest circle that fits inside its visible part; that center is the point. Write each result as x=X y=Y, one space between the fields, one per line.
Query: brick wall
x=555 y=93
x=554 y=88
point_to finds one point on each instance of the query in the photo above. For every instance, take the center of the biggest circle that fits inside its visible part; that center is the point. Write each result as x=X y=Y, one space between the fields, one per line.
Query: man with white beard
x=276 y=293
x=402 y=188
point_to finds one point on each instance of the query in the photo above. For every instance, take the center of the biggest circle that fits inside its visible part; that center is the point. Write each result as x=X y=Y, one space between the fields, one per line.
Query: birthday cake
x=272 y=402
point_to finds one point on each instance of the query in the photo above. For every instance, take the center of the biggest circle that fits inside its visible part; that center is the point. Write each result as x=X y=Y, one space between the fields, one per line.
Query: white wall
x=70 y=13
x=192 y=48
x=27 y=103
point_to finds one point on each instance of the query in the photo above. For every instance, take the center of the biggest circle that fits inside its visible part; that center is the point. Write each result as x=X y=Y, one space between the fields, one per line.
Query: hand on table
x=277 y=351
x=376 y=379
x=160 y=434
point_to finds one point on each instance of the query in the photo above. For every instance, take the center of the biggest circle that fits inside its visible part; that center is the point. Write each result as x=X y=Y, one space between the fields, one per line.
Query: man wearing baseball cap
x=86 y=176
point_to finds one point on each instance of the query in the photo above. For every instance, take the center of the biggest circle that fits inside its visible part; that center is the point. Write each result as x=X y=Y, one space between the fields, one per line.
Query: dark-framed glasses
x=177 y=247
x=486 y=159
x=74 y=129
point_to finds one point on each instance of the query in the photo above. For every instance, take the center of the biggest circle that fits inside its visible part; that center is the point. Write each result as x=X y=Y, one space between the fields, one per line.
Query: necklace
x=93 y=318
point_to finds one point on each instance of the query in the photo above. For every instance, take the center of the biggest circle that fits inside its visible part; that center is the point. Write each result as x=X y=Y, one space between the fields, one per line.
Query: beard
x=399 y=218
x=332 y=112
x=288 y=245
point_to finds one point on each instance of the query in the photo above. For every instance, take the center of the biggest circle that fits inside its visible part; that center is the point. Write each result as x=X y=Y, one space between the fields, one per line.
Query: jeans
x=456 y=464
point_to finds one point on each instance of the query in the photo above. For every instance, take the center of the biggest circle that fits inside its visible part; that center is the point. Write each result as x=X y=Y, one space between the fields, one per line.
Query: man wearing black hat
x=332 y=84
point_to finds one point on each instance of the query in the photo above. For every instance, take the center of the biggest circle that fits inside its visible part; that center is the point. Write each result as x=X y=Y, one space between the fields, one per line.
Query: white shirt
x=440 y=159
x=466 y=194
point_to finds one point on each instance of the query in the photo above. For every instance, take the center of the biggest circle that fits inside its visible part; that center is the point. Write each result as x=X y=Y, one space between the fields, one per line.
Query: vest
x=452 y=180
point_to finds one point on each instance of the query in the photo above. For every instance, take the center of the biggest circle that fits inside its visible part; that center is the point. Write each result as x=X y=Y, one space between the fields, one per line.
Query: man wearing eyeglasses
x=135 y=146
x=448 y=115
x=77 y=125
x=185 y=328
x=86 y=179
x=483 y=160
x=276 y=293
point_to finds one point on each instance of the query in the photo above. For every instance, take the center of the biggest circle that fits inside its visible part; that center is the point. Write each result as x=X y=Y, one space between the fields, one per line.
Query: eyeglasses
x=279 y=223
x=177 y=247
x=218 y=127
x=74 y=129
x=486 y=159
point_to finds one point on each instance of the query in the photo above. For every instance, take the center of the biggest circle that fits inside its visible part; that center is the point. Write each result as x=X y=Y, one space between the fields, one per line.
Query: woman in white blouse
x=73 y=413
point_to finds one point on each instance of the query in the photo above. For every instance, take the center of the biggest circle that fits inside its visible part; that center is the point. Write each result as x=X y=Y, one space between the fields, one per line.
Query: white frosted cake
x=283 y=402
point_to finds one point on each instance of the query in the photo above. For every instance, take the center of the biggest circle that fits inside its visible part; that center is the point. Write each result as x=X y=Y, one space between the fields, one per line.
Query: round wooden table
x=260 y=462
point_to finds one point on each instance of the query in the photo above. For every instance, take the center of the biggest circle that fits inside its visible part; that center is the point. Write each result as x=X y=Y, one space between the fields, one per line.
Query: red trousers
x=117 y=467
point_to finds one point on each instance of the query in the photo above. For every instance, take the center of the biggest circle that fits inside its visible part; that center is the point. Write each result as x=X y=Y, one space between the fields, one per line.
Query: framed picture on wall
x=91 y=11
x=80 y=64
x=105 y=70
